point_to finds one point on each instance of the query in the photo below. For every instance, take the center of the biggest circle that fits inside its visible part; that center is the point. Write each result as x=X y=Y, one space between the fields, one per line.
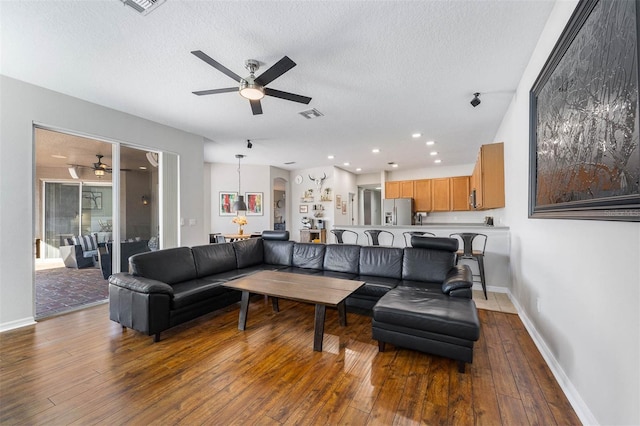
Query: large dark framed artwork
x=584 y=154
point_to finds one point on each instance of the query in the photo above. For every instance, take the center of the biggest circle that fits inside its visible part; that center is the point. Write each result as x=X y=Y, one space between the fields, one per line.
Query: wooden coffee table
x=319 y=290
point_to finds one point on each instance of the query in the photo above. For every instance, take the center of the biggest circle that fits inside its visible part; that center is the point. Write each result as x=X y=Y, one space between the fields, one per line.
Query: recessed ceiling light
x=438 y=161
x=359 y=169
x=142 y=168
x=433 y=153
x=429 y=143
x=346 y=163
x=378 y=187
x=58 y=156
x=394 y=165
x=416 y=135
x=375 y=150
x=330 y=157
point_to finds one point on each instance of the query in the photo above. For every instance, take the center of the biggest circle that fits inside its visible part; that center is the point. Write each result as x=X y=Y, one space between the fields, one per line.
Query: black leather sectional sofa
x=168 y=287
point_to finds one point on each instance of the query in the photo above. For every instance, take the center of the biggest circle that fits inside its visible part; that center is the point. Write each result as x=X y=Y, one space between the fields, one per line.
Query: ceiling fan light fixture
x=251 y=91
x=99 y=172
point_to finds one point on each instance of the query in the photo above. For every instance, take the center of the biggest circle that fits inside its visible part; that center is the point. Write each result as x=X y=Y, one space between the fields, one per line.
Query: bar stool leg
x=480 y=259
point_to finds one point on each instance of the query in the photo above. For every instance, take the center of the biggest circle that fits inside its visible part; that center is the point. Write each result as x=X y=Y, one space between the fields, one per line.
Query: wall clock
x=298 y=179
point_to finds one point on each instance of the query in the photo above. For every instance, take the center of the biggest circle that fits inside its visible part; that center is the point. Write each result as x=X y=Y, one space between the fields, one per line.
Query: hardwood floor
x=81 y=368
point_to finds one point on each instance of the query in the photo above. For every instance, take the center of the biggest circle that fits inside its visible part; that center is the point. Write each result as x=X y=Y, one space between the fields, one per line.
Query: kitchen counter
x=496 y=257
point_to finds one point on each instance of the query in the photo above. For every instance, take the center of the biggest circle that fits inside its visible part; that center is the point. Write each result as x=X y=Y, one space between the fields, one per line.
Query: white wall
x=585 y=275
x=23 y=104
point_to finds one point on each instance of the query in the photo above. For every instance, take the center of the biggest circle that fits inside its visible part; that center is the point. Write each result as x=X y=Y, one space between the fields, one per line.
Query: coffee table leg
x=318 y=327
x=244 y=308
x=274 y=303
x=342 y=313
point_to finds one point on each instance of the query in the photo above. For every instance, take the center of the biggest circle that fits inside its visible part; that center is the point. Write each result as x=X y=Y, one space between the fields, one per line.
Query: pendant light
x=239 y=205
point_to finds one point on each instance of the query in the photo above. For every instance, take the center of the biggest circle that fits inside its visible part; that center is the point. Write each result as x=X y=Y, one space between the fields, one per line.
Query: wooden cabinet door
x=460 y=193
x=492 y=176
x=406 y=189
x=441 y=194
x=422 y=195
x=476 y=181
x=392 y=190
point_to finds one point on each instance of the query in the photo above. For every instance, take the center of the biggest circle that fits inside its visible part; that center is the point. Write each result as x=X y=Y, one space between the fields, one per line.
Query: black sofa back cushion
x=280 y=235
x=342 y=258
x=171 y=266
x=308 y=255
x=278 y=252
x=249 y=252
x=381 y=262
x=428 y=265
x=214 y=258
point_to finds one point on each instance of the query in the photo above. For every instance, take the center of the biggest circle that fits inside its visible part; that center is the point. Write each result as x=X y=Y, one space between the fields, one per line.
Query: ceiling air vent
x=143 y=7
x=312 y=113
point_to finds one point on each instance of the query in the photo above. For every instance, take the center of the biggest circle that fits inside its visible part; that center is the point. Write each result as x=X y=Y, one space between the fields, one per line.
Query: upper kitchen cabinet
x=392 y=190
x=406 y=189
x=422 y=195
x=487 y=180
x=441 y=194
x=460 y=193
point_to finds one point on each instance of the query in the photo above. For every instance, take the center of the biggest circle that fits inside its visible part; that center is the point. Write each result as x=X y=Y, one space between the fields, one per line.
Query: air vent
x=312 y=113
x=143 y=7
x=288 y=163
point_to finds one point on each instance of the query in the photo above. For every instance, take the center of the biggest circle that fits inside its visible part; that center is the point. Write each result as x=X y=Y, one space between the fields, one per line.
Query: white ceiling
x=378 y=71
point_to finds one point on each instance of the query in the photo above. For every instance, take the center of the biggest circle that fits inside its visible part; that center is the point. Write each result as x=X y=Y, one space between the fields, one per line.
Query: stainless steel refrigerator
x=397 y=211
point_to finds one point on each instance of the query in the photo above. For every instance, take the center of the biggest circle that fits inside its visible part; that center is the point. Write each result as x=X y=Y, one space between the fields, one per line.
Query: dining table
x=236 y=237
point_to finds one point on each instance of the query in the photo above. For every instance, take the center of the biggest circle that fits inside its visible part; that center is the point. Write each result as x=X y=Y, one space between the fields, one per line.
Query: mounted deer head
x=318 y=181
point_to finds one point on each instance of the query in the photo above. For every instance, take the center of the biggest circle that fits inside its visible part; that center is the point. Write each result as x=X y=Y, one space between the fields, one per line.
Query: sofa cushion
x=214 y=258
x=375 y=286
x=421 y=264
x=193 y=291
x=342 y=258
x=249 y=252
x=278 y=252
x=308 y=255
x=171 y=266
x=381 y=262
x=417 y=309
x=280 y=235
x=88 y=242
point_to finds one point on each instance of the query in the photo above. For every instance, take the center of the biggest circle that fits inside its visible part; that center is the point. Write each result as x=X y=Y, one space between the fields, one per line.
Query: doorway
x=89 y=193
x=279 y=204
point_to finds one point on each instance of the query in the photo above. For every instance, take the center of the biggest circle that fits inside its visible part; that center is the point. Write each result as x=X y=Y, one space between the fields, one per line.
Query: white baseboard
x=579 y=406
x=17 y=324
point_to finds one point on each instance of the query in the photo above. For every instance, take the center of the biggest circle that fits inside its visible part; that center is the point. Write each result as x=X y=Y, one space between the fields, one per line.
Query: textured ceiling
x=378 y=71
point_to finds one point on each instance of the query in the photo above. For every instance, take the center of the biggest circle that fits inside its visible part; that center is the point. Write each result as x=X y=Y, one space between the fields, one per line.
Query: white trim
x=12 y=325
x=580 y=407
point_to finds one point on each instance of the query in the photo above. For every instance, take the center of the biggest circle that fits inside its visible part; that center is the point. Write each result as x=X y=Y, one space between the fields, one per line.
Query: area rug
x=60 y=290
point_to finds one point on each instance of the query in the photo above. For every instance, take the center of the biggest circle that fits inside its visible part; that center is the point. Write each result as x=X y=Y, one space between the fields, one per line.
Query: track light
x=476 y=100
x=249 y=144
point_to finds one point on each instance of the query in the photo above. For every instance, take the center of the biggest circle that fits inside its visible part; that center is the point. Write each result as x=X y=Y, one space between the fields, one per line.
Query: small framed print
x=344 y=207
x=226 y=203
x=304 y=208
x=338 y=202
x=254 y=203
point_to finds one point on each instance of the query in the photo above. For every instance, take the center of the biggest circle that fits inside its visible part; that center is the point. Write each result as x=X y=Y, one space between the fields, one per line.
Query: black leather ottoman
x=426 y=321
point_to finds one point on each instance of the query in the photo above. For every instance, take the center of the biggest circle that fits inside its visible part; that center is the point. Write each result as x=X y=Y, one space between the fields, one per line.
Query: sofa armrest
x=140 y=284
x=458 y=278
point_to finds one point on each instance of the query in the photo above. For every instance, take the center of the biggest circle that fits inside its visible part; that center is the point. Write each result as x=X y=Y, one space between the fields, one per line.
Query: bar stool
x=407 y=236
x=468 y=252
x=340 y=234
x=373 y=236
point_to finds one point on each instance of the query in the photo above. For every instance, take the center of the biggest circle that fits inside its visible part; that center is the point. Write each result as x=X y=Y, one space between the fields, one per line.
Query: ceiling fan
x=99 y=165
x=252 y=87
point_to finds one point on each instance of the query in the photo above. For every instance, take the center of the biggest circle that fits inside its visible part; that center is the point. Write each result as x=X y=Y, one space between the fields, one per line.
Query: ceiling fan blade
x=256 y=107
x=286 y=95
x=279 y=68
x=214 y=91
x=217 y=65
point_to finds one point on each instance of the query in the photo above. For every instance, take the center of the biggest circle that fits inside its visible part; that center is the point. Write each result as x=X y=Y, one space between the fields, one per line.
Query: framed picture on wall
x=344 y=207
x=91 y=200
x=254 y=203
x=338 y=202
x=226 y=203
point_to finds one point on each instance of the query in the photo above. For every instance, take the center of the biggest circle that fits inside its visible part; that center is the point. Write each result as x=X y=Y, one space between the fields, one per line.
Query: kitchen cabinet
x=422 y=195
x=487 y=179
x=392 y=189
x=460 y=193
x=399 y=189
x=406 y=189
x=441 y=194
